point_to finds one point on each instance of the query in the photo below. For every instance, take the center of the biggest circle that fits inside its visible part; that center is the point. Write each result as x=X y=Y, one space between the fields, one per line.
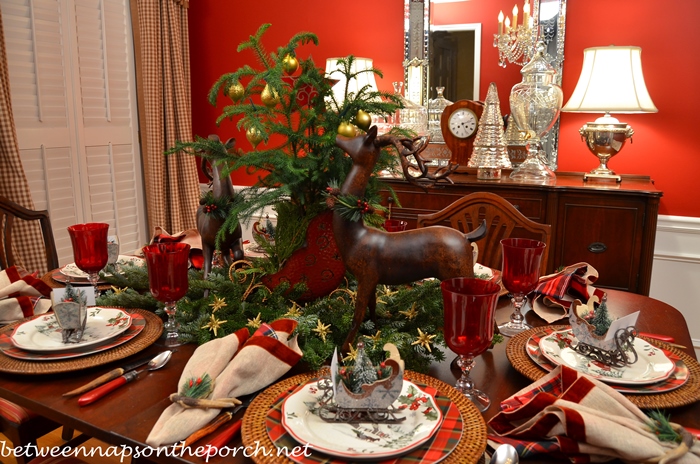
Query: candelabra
x=517 y=44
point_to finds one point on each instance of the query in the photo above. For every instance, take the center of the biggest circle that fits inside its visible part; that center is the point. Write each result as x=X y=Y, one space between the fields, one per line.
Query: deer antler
x=414 y=146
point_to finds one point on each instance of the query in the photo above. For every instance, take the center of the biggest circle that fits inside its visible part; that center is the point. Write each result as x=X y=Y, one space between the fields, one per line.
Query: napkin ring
x=188 y=402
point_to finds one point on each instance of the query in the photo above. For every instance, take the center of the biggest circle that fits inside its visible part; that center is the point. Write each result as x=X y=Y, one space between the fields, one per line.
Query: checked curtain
x=13 y=182
x=172 y=184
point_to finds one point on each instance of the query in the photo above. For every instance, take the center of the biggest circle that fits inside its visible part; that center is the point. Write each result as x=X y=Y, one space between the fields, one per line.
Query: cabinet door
x=604 y=232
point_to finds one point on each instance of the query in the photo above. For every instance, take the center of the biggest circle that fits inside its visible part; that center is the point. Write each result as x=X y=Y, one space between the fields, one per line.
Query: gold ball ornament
x=363 y=120
x=346 y=129
x=254 y=136
x=269 y=97
x=290 y=64
x=236 y=91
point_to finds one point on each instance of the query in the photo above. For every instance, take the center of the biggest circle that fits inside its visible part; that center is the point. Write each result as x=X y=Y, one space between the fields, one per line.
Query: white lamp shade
x=362 y=79
x=611 y=81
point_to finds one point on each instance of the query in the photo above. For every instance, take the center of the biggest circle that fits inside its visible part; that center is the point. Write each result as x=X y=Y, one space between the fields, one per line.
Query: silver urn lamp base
x=605 y=139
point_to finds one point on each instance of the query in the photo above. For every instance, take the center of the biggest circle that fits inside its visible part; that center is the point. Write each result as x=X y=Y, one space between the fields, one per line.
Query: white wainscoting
x=675 y=278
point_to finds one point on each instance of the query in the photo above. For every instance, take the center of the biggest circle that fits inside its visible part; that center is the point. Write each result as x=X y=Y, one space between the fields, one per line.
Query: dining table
x=126 y=416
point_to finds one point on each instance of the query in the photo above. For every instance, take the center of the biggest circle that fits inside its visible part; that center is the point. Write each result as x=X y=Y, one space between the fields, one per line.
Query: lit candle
x=507 y=24
x=500 y=22
x=526 y=14
x=515 y=17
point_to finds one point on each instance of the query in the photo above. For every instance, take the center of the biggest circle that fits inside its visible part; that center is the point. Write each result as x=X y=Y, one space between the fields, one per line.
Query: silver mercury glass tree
x=490 y=150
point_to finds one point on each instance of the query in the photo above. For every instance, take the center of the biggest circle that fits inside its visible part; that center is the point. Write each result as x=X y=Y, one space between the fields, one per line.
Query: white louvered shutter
x=74 y=100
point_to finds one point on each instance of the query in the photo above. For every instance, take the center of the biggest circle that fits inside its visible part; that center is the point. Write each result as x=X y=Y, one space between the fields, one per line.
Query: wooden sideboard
x=610 y=226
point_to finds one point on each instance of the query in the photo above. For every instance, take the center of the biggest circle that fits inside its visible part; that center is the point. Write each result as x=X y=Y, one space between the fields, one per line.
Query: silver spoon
x=504 y=454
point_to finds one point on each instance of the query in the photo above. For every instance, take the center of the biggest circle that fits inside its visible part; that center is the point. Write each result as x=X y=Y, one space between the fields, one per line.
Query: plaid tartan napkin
x=238 y=365
x=555 y=292
x=22 y=295
x=568 y=415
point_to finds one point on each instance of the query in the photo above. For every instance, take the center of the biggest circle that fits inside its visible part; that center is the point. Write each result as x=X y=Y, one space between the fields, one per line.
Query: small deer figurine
x=209 y=226
x=377 y=257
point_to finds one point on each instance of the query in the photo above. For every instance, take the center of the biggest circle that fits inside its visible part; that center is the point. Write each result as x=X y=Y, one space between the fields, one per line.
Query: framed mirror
x=426 y=49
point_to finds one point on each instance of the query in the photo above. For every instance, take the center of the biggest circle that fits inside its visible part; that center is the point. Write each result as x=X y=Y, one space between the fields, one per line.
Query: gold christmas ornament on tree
x=235 y=91
x=346 y=129
x=269 y=97
x=490 y=153
x=290 y=64
x=363 y=120
x=254 y=136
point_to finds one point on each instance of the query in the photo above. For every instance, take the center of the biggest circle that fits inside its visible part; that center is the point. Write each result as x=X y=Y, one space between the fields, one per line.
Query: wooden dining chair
x=9 y=213
x=502 y=219
x=20 y=425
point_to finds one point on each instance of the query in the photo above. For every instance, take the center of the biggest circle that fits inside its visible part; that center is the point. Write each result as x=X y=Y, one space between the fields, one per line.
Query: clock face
x=462 y=123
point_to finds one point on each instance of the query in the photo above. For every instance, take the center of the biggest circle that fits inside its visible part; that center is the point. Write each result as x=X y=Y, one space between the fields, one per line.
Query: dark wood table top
x=126 y=416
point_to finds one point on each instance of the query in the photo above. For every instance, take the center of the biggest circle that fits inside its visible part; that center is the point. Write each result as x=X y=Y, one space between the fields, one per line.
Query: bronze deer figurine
x=208 y=226
x=374 y=256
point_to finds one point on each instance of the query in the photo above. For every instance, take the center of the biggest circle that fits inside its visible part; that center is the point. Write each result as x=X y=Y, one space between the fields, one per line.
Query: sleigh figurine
x=370 y=402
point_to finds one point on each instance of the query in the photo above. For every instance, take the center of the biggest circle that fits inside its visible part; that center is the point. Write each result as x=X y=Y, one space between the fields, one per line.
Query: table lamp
x=611 y=81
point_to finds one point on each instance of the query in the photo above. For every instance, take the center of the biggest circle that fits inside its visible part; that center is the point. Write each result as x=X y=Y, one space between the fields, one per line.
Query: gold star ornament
x=118 y=290
x=214 y=324
x=254 y=323
x=322 y=329
x=424 y=340
x=218 y=304
x=294 y=311
x=376 y=337
x=411 y=313
x=352 y=355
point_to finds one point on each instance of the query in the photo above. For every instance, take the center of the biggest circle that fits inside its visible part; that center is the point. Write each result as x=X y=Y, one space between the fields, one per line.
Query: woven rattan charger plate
x=470 y=449
x=149 y=334
x=688 y=393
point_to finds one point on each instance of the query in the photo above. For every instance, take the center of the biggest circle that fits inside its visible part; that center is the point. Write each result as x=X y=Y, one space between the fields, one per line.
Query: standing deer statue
x=209 y=226
x=374 y=256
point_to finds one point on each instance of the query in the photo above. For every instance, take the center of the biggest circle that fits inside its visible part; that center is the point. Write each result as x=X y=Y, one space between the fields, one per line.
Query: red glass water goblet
x=469 y=310
x=520 y=275
x=90 y=248
x=395 y=225
x=167 y=277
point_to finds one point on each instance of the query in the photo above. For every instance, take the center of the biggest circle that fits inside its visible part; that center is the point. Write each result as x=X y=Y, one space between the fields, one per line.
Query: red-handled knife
x=110 y=386
x=156 y=363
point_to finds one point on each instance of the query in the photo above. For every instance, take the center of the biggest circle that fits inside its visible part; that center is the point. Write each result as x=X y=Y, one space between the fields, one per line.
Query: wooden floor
x=54 y=439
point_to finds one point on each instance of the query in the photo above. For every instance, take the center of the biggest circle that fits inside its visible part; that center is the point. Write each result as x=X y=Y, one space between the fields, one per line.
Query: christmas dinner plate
x=44 y=334
x=71 y=270
x=138 y=323
x=652 y=365
x=361 y=441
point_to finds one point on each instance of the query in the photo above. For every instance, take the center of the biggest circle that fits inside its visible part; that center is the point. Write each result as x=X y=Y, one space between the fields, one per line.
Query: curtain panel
x=28 y=246
x=163 y=70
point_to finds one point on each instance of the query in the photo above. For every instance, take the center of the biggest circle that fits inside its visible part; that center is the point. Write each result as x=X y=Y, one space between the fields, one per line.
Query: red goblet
x=90 y=248
x=167 y=277
x=395 y=225
x=469 y=307
x=520 y=274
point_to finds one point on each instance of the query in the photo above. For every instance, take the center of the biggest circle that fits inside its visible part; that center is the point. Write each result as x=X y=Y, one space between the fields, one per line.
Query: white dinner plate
x=652 y=364
x=359 y=441
x=72 y=270
x=44 y=334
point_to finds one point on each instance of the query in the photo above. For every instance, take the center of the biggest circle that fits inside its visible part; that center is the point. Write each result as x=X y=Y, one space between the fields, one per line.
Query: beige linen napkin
x=569 y=415
x=239 y=365
x=555 y=292
x=22 y=295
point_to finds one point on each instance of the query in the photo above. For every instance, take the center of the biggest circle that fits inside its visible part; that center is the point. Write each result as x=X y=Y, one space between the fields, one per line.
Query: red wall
x=664 y=142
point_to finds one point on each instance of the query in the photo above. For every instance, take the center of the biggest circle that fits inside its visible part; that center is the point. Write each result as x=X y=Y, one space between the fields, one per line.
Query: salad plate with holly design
x=652 y=364
x=44 y=334
x=363 y=440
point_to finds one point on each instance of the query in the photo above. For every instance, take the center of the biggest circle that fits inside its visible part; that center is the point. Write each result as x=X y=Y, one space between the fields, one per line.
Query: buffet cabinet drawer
x=607 y=236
